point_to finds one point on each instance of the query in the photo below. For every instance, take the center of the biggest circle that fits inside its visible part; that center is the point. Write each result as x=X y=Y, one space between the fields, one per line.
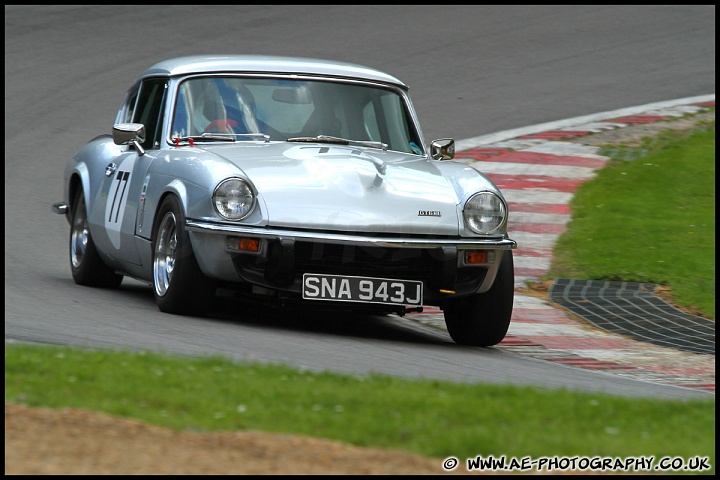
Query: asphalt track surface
x=473 y=70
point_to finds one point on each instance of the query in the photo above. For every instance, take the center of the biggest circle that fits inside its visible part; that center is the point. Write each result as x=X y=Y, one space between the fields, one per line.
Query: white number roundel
x=117 y=199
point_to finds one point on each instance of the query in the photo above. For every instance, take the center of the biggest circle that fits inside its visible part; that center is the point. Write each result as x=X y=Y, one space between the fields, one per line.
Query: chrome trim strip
x=362 y=240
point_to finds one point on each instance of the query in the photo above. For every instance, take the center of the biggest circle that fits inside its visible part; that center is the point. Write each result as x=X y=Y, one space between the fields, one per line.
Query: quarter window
x=125 y=113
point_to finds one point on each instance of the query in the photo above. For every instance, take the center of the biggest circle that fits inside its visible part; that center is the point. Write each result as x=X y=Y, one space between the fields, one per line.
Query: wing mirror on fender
x=130 y=133
x=443 y=149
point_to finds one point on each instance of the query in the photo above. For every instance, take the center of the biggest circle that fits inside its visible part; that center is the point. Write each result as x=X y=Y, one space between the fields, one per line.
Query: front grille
x=407 y=263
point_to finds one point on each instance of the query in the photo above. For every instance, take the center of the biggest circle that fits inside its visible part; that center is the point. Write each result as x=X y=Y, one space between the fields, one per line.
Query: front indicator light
x=243 y=244
x=249 y=244
x=479 y=257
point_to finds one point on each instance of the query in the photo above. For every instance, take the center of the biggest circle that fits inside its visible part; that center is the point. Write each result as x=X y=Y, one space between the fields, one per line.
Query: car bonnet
x=347 y=188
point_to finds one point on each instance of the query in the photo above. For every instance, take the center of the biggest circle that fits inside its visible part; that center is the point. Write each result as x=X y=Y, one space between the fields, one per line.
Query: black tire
x=179 y=285
x=85 y=263
x=483 y=319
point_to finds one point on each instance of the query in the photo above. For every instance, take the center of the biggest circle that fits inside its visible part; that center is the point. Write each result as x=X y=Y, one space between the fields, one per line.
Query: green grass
x=649 y=216
x=433 y=418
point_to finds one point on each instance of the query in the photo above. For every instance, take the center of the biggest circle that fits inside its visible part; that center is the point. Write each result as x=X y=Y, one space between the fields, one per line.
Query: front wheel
x=85 y=263
x=180 y=286
x=483 y=319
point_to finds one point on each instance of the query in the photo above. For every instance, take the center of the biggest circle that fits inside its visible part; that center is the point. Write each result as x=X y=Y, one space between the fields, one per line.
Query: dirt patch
x=41 y=441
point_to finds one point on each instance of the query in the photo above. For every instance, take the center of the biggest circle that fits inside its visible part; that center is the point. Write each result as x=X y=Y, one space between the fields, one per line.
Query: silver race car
x=293 y=181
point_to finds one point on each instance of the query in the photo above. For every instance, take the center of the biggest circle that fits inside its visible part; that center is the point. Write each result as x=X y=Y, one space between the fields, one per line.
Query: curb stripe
x=592 y=364
x=526 y=251
x=562 y=171
x=523 y=182
x=525 y=217
x=535 y=240
x=538 y=195
x=531 y=272
x=532 y=263
x=556 y=135
x=495 y=138
x=539 y=208
x=636 y=119
x=552 y=228
x=480 y=154
x=540 y=158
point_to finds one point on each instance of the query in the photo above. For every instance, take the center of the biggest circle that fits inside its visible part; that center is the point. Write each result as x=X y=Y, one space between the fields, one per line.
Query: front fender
x=156 y=187
x=86 y=170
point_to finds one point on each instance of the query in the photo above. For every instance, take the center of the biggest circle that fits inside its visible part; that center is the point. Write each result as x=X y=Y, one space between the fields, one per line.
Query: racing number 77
x=122 y=179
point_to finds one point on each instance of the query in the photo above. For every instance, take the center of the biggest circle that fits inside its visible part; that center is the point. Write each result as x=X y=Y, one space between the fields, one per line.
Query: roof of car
x=266 y=64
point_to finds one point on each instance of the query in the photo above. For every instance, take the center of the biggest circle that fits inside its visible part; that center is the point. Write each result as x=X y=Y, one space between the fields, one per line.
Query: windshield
x=284 y=109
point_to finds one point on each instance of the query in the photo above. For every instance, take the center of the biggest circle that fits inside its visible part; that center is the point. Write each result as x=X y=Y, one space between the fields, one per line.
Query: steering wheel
x=224 y=125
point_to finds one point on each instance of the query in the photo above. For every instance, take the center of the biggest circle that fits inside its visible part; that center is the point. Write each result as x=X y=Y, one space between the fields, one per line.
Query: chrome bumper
x=346 y=238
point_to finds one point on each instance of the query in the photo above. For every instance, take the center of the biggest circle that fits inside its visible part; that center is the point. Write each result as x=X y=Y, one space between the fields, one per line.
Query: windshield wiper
x=222 y=137
x=340 y=141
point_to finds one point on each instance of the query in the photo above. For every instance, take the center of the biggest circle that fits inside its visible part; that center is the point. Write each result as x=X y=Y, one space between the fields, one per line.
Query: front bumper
x=363 y=240
x=441 y=263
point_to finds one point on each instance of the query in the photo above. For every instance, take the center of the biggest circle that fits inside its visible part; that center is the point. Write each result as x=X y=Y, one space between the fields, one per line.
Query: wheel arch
x=176 y=189
x=79 y=181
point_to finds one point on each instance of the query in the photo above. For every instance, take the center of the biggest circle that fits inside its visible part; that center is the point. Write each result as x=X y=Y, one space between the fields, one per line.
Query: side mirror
x=129 y=133
x=442 y=149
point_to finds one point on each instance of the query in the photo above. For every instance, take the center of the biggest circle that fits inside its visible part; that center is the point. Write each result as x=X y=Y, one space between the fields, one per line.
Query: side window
x=127 y=107
x=147 y=112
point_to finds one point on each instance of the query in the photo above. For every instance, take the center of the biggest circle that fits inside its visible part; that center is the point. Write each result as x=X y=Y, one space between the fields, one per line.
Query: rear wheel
x=483 y=319
x=85 y=263
x=180 y=286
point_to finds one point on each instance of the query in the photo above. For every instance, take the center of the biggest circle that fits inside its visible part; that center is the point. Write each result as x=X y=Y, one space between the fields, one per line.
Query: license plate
x=362 y=289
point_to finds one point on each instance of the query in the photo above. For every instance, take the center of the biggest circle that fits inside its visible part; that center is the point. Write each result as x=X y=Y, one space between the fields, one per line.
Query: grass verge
x=648 y=216
x=433 y=418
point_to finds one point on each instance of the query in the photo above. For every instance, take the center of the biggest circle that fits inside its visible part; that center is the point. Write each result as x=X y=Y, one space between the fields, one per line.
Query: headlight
x=233 y=199
x=484 y=213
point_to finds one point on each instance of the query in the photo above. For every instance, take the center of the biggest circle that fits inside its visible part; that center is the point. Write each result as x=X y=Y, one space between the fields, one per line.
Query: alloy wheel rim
x=79 y=236
x=165 y=254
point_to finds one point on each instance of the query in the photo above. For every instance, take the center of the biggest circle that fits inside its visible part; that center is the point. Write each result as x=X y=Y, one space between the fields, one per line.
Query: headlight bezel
x=476 y=207
x=223 y=196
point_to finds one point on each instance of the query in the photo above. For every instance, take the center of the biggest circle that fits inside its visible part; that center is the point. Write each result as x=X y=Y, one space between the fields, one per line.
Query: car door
x=120 y=194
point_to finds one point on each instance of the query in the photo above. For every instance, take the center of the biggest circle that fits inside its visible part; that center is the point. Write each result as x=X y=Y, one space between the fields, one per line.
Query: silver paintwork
x=337 y=194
